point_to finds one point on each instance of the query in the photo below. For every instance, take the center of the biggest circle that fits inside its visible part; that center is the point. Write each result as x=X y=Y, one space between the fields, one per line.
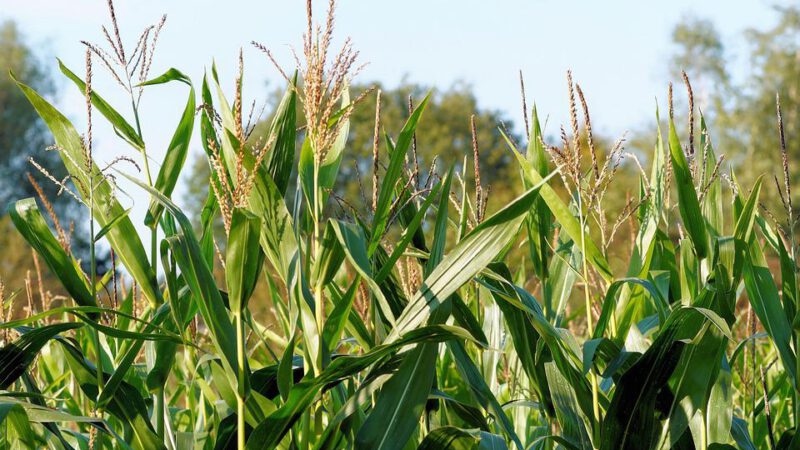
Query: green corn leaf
x=165 y=352
x=281 y=157
x=244 y=258
x=338 y=317
x=103 y=231
x=178 y=147
x=609 y=303
x=440 y=228
x=265 y=380
x=472 y=254
x=480 y=390
x=393 y=173
x=712 y=200
x=285 y=375
x=31 y=225
x=741 y=435
x=400 y=402
x=122 y=237
x=226 y=433
x=539 y=226
x=719 y=411
x=567 y=410
x=562 y=275
x=270 y=432
x=411 y=229
x=630 y=421
x=765 y=299
x=42 y=414
x=454 y=438
x=354 y=245
x=693 y=220
x=16 y=427
x=466 y=411
x=694 y=377
x=200 y=280
x=448 y=438
x=330 y=259
x=525 y=337
x=36 y=400
x=523 y=313
x=206 y=294
x=744 y=229
x=562 y=214
x=83 y=313
x=178 y=308
x=121 y=126
x=17 y=356
x=256 y=406
x=126 y=404
x=465 y=318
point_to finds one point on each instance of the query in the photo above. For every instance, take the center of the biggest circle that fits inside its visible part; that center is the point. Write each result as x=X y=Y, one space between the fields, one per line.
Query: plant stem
x=93 y=286
x=319 y=300
x=159 y=412
x=797 y=306
x=588 y=302
x=160 y=400
x=160 y=395
x=240 y=395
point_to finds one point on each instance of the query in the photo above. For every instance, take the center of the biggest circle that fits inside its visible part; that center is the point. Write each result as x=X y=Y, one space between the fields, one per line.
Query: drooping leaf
x=400 y=403
x=126 y=404
x=270 y=432
x=474 y=252
x=122 y=237
x=480 y=390
x=31 y=225
x=450 y=438
x=200 y=280
x=121 y=126
x=16 y=426
x=17 y=356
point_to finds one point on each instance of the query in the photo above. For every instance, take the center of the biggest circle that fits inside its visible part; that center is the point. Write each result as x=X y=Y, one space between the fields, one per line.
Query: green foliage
x=417 y=323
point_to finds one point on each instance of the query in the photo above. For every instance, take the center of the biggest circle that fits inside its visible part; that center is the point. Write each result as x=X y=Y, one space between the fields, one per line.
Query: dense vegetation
x=420 y=318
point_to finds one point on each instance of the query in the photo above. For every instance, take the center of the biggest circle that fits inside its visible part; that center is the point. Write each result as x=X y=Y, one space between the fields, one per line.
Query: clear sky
x=618 y=50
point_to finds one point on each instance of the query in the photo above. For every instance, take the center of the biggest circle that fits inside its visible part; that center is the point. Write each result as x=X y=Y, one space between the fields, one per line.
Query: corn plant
x=430 y=322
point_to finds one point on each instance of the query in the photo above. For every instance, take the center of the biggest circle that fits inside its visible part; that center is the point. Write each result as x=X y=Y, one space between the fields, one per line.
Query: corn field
x=427 y=318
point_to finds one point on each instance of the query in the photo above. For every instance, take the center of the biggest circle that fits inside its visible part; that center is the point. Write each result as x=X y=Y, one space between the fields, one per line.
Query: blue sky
x=618 y=50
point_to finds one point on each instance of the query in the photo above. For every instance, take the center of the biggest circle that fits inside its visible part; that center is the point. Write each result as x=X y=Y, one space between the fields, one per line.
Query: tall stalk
x=160 y=401
x=240 y=394
x=588 y=304
x=89 y=166
x=319 y=299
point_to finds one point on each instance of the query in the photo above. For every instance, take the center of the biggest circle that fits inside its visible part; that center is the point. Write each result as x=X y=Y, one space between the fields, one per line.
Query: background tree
x=700 y=48
x=742 y=115
x=22 y=135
